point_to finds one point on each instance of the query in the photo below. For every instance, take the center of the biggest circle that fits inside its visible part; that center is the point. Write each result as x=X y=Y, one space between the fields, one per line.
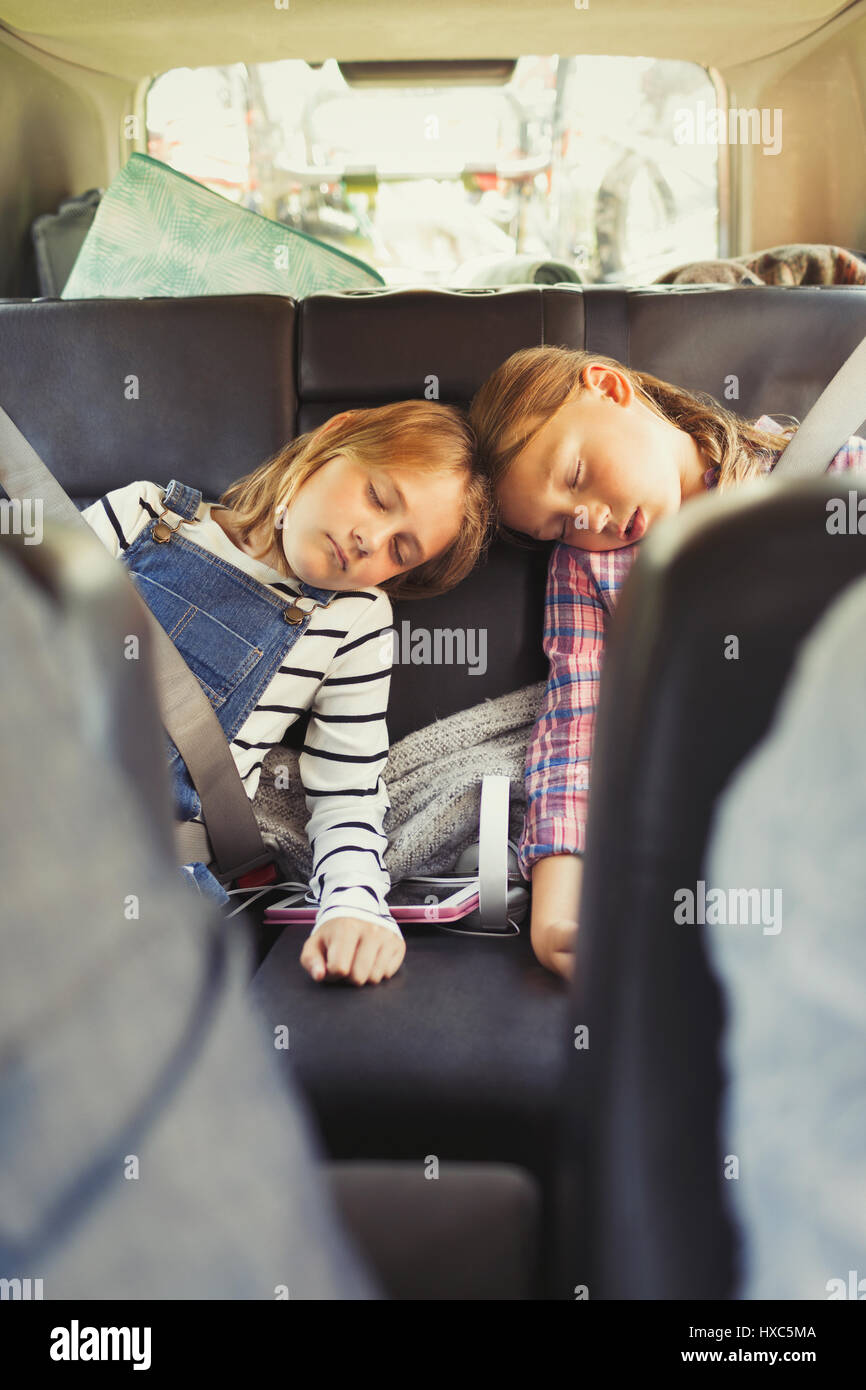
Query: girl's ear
x=610 y=382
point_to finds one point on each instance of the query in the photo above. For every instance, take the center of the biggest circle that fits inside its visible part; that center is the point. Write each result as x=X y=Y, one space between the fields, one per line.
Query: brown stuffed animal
x=710 y=273
x=781 y=265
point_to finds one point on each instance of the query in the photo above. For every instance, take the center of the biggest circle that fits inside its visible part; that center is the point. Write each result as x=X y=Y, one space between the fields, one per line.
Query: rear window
x=579 y=160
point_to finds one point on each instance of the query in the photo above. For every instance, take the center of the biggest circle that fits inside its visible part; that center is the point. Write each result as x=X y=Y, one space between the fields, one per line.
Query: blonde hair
x=533 y=384
x=421 y=435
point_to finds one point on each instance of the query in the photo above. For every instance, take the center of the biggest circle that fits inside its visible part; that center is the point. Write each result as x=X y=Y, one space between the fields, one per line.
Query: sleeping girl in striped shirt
x=278 y=597
x=590 y=454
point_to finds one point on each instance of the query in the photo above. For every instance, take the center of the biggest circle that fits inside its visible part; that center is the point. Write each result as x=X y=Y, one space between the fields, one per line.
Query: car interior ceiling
x=67 y=85
x=563 y=1173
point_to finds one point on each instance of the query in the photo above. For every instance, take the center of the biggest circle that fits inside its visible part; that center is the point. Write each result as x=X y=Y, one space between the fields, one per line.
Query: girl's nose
x=598 y=517
x=369 y=541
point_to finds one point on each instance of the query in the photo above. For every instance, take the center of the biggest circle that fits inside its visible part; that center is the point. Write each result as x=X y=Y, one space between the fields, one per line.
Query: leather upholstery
x=460 y=1056
x=224 y=382
x=220 y=387
x=215 y=381
x=782 y=343
x=467 y=1232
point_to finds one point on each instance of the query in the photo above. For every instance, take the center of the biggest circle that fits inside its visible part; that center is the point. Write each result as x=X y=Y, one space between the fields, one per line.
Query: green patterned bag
x=158 y=232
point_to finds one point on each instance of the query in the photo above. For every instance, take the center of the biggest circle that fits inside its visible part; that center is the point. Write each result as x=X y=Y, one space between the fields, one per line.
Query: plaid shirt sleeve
x=558 y=756
x=851 y=455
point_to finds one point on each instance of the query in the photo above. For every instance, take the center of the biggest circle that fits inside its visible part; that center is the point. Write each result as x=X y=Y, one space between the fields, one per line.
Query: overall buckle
x=162 y=532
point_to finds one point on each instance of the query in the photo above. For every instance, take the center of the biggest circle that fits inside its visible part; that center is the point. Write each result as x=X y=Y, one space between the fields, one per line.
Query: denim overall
x=232 y=631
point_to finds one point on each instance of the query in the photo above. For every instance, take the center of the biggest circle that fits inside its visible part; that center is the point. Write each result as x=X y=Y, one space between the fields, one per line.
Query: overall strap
x=177 y=500
x=322 y=596
x=181 y=499
x=186 y=711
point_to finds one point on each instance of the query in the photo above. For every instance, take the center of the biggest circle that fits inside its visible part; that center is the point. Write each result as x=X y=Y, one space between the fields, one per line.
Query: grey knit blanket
x=434 y=786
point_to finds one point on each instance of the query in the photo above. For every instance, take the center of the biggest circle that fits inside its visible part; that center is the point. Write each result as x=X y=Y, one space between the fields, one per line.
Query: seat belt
x=493 y=849
x=188 y=717
x=837 y=413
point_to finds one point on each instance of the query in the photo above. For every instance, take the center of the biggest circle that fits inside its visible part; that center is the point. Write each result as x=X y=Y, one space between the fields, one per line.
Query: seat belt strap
x=838 y=412
x=192 y=843
x=186 y=711
x=493 y=850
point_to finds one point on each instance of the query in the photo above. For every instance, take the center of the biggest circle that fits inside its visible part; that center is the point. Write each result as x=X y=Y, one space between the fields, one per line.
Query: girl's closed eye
x=575 y=479
x=399 y=557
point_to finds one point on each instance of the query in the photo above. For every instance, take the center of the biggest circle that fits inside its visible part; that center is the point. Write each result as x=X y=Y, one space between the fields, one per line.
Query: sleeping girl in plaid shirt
x=590 y=454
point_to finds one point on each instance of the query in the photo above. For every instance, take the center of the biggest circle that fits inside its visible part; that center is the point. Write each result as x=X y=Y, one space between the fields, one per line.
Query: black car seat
x=643 y=1211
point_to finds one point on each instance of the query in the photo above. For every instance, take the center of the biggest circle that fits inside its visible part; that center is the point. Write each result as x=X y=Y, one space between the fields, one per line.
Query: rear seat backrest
x=363 y=349
x=757 y=349
x=369 y=347
x=224 y=381
x=220 y=389
x=112 y=390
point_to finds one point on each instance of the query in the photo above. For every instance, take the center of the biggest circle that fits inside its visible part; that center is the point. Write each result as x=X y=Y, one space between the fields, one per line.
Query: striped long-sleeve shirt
x=582 y=590
x=340 y=670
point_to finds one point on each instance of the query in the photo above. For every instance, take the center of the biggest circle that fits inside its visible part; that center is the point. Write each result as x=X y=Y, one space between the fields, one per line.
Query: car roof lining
x=133 y=41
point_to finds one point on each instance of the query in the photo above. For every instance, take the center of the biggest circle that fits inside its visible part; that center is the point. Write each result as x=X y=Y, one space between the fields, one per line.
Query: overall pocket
x=218 y=657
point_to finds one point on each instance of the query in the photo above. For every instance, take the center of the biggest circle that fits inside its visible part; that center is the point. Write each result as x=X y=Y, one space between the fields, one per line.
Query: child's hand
x=557 y=882
x=553 y=944
x=346 y=948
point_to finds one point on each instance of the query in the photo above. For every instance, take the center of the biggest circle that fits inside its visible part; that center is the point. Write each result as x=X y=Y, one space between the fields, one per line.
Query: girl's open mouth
x=636 y=526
